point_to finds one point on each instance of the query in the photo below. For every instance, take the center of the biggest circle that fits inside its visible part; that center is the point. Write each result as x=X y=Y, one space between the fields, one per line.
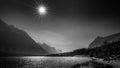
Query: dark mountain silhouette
x=101 y=40
x=49 y=49
x=16 y=41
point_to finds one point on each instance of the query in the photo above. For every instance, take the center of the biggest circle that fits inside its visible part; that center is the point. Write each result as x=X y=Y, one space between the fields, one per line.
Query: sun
x=42 y=10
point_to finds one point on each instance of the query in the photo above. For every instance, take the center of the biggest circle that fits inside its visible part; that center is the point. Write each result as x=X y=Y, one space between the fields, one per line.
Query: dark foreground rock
x=92 y=64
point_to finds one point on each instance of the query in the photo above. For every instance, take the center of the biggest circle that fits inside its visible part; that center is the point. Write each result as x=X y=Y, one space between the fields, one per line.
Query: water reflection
x=40 y=62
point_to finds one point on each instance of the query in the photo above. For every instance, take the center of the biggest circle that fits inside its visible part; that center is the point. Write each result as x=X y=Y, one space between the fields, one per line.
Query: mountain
x=109 y=51
x=49 y=49
x=101 y=40
x=16 y=41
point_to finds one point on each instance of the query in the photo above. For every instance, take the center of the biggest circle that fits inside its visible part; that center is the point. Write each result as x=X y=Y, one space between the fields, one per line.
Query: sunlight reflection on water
x=45 y=62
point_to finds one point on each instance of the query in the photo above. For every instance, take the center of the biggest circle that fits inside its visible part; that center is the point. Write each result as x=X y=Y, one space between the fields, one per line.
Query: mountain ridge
x=101 y=40
x=14 y=40
x=49 y=48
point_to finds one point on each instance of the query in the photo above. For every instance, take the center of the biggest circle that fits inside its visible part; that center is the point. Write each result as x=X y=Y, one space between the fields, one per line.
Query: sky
x=67 y=25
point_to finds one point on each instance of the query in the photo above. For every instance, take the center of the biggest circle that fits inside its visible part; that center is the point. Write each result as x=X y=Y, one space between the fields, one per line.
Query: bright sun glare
x=42 y=10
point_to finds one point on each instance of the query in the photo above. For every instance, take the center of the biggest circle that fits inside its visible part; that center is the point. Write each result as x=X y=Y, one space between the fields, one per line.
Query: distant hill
x=101 y=40
x=16 y=41
x=49 y=49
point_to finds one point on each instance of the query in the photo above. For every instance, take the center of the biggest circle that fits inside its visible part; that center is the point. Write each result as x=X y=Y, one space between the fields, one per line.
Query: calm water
x=40 y=62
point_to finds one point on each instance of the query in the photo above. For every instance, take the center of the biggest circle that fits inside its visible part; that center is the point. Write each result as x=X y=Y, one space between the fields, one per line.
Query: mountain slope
x=49 y=49
x=101 y=40
x=17 y=41
x=107 y=51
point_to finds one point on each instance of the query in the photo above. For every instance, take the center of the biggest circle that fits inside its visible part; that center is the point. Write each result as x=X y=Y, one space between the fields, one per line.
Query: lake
x=40 y=62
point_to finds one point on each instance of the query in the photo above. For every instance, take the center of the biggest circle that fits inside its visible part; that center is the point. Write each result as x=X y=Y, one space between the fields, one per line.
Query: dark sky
x=68 y=24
